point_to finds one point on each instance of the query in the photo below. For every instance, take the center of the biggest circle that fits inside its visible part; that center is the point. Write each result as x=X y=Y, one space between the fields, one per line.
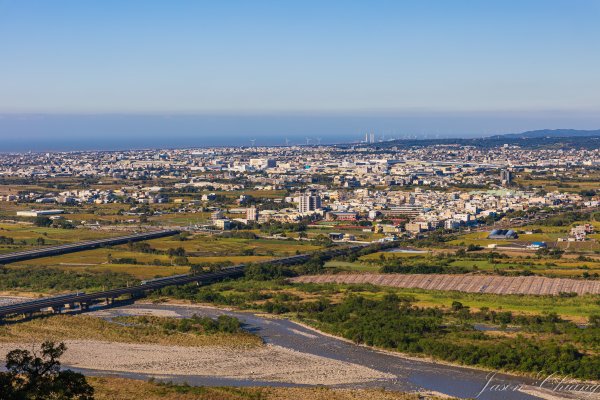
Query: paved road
x=84 y=300
x=46 y=251
x=410 y=374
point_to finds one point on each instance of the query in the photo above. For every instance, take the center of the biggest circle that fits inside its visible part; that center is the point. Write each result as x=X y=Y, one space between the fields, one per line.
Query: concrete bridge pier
x=136 y=295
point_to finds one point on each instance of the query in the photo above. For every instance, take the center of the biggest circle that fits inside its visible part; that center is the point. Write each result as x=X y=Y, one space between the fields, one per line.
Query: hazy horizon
x=60 y=132
x=115 y=74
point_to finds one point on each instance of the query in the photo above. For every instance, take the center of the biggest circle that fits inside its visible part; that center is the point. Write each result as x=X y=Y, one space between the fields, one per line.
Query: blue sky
x=302 y=58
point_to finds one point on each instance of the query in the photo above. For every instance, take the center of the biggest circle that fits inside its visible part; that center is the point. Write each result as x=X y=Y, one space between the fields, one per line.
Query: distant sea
x=39 y=133
x=22 y=133
x=72 y=132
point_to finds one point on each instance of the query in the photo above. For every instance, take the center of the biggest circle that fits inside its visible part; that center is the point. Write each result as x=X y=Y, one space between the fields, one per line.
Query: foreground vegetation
x=123 y=265
x=435 y=324
x=108 y=388
x=56 y=280
x=38 y=375
x=195 y=331
x=258 y=294
x=543 y=343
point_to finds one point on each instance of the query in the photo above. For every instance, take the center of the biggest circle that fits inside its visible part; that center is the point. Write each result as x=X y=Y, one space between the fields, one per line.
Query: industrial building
x=503 y=234
x=39 y=213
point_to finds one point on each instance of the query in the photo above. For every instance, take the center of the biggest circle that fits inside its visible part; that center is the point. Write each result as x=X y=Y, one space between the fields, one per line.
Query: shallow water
x=410 y=374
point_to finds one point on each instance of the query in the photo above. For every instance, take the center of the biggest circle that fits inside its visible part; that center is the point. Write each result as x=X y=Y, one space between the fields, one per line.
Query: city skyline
x=393 y=199
x=307 y=69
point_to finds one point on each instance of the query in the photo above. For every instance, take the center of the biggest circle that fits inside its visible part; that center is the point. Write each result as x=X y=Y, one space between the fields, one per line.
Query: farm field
x=577 y=308
x=573 y=308
x=109 y=388
x=139 y=265
x=180 y=218
x=351 y=266
x=20 y=236
x=465 y=283
x=345 y=227
x=201 y=245
x=480 y=239
x=85 y=212
x=136 y=271
x=489 y=261
x=198 y=248
x=540 y=233
x=551 y=184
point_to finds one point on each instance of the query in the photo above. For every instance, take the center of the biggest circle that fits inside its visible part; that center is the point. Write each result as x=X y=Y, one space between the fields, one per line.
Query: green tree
x=42 y=221
x=178 y=252
x=29 y=377
x=457 y=305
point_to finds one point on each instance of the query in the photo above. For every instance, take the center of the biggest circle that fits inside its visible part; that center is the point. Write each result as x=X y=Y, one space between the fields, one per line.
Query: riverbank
x=266 y=363
x=391 y=370
x=527 y=381
x=109 y=388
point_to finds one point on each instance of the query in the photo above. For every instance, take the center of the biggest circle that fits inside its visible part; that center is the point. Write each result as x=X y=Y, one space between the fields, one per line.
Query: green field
x=508 y=262
x=151 y=330
x=112 y=388
x=575 y=308
x=351 y=266
x=219 y=247
x=254 y=294
x=200 y=250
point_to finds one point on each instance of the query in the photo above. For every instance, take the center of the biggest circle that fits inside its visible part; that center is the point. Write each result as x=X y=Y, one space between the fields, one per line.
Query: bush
x=265 y=272
x=42 y=221
x=56 y=279
x=30 y=376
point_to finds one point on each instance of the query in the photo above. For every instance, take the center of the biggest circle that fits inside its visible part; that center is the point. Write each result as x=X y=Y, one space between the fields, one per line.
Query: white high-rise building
x=506 y=177
x=251 y=214
x=309 y=202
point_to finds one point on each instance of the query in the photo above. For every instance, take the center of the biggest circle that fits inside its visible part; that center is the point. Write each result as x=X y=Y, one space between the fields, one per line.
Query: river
x=410 y=374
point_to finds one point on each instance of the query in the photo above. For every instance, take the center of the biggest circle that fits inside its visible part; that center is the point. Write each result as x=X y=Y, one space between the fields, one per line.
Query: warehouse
x=38 y=213
x=503 y=234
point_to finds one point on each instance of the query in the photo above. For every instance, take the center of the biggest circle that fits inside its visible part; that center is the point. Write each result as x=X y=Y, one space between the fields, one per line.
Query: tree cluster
x=30 y=376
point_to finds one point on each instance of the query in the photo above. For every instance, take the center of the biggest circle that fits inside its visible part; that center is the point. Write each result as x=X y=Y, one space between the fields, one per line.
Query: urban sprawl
x=394 y=191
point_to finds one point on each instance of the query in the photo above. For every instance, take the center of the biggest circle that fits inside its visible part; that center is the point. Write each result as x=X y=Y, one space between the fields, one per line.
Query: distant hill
x=542 y=133
x=539 y=139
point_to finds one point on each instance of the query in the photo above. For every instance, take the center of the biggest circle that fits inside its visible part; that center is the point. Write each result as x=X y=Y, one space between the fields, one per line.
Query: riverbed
x=311 y=356
x=401 y=374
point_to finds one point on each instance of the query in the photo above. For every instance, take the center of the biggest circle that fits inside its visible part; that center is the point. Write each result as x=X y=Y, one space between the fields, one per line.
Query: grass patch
x=574 y=308
x=351 y=266
x=148 y=330
x=253 y=294
x=109 y=388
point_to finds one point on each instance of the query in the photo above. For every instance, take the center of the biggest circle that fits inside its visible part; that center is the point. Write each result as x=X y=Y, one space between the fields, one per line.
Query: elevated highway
x=81 y=246
x=84 y=300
